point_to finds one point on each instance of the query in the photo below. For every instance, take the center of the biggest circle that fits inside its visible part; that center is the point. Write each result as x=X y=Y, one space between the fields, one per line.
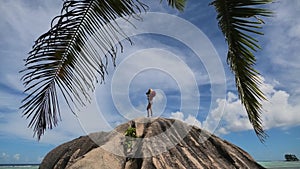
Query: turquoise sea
x=19 y=166
x=280 y=164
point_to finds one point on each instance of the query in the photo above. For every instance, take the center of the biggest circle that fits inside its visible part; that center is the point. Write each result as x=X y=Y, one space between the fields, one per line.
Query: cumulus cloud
x=190 y=119
x=4 y=156
x=278 y=112
x=232 y=118
x=16 y=157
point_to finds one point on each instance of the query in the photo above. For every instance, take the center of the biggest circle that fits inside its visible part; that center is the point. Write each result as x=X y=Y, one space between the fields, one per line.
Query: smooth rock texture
x=161 y=143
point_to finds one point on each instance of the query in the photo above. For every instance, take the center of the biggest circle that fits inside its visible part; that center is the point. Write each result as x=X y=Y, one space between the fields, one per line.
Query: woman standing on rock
x=150 y=95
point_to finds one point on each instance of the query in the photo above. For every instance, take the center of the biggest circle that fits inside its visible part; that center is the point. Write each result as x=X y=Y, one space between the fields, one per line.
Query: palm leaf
x=238 y=20
x=178 y=4
x=63 y=59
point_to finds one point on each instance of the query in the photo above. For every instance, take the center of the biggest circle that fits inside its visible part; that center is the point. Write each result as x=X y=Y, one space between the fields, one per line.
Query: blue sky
x=195 y=95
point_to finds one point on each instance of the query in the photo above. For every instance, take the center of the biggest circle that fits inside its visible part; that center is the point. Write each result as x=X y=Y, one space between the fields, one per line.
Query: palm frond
x=64 y=59
x=178 y=4
x=238 y=20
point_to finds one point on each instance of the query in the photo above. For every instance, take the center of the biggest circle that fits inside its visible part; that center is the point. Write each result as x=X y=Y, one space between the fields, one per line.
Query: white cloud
x=93 y=119
x=204 y=53
x=16 y=157
x=9 y=101
x=20 y=18
x=4 y=156
x=21 y=23
x=190 y=119
x=14 y=124
x=233 y=115
x=67 y=129
x=280 y=59
x=177 y=115
x=278 y=112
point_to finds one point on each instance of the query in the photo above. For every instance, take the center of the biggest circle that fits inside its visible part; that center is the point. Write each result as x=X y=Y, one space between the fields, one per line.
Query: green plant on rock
x=131 y=132
x=130 y=135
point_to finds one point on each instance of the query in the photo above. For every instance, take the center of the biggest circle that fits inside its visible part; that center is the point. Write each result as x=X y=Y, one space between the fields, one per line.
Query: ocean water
x=19 y=166
x=280 y=164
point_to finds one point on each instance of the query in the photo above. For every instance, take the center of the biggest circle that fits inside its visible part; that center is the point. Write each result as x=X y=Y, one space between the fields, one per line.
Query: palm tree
x=63 y=59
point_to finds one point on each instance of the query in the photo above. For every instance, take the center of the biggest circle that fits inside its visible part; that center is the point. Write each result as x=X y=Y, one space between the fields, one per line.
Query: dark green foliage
x=178 y=4
x=131 y=132
x=238 y=20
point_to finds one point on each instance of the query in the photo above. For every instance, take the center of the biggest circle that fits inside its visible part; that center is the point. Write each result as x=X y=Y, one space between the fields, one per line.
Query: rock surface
x=160 y=143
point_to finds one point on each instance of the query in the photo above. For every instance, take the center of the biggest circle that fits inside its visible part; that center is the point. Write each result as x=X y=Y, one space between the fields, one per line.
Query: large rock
x=161 y=143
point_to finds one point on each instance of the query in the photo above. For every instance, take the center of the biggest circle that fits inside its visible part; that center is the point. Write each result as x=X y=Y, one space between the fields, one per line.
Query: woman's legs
x=149 y=110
